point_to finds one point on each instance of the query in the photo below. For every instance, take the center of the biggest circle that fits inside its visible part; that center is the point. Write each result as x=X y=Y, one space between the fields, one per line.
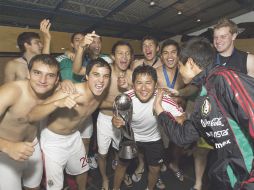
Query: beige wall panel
x=245 y=45
x=8 y=37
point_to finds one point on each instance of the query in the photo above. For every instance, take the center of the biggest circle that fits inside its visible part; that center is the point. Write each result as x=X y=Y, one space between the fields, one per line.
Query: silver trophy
x=123 y=108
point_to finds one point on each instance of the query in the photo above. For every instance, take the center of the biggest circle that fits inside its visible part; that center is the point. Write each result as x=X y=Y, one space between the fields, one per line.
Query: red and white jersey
x=144 y=122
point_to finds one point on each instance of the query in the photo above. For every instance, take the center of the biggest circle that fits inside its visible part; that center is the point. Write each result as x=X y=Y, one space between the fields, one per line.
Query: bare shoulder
x=250 y=58
x=159 y=69
x=80 y=87
x=136 y=63
x=15 y=62
x=158 y=63
x=250 y=65
x=13 y=65
x=129 y=73
x=13 y=88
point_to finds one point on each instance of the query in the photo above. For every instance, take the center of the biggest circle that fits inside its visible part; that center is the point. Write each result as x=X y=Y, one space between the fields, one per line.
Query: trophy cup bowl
x=123 y=108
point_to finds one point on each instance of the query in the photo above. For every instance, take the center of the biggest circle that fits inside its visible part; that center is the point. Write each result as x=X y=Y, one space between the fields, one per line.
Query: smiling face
x=169 y=56
x=149 y=49
x=144 y=87
x=98 y=79
x=223 y=40
x=43 y=78
x=122 y=57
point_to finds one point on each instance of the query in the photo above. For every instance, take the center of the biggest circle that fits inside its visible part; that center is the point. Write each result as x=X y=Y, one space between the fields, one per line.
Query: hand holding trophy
x=123 y=108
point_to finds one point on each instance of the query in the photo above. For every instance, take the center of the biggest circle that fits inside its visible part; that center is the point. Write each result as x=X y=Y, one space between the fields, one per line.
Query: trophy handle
x=126 y=130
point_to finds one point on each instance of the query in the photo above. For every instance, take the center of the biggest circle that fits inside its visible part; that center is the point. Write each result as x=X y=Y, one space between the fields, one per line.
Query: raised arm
x=44 y=28
x=84 y=44
x=77 y=63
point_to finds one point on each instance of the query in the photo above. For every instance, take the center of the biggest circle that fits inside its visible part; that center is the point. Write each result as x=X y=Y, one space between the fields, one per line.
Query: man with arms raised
x=61 y=142
x=150 y=48
x=30 y=45
x=20 y=156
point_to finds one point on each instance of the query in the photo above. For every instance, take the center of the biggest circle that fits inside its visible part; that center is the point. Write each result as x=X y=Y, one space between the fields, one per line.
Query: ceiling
x=131 y=19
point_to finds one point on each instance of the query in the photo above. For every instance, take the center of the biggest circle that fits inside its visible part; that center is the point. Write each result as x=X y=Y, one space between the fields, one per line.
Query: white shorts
x=62 y=152
x=87 y=129
x=12 y=172
x=107 y=133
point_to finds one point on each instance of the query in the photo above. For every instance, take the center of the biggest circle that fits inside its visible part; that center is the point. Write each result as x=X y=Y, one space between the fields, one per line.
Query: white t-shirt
x=144 y=122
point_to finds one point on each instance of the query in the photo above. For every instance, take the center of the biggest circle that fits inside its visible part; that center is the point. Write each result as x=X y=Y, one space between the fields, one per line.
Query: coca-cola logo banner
x=215 y=122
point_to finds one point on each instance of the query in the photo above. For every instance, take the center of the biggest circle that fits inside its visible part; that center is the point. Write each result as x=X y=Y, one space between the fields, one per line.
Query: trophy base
x=128 y=150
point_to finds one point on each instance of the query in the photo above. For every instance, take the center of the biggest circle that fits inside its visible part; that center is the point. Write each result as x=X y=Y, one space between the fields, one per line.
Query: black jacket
x=224 y=117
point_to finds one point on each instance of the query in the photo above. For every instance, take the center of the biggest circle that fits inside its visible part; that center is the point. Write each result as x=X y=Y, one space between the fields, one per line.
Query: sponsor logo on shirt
x=215 y=122
x=221 y=145
x=218 y=134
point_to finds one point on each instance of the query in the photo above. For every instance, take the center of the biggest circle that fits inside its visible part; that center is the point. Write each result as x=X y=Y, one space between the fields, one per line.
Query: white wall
x=247 y=17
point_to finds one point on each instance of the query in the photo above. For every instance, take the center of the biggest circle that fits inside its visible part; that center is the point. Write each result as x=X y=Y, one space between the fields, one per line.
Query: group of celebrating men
x=196 y=92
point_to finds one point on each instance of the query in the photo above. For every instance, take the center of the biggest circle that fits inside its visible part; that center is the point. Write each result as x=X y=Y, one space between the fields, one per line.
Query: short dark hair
x=26 y=37
x=225 y=22
x=45 y=59
x=99 y=62
x=121 y=43
x=74 y=34
x=147 y=37
x=170 y=42
x=145 y=70
x=200 y=50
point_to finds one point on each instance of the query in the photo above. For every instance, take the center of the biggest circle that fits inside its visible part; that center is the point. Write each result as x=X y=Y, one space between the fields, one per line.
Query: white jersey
x=144 y=122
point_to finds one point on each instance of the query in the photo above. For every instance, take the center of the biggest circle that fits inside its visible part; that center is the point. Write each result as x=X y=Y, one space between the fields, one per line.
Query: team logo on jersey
x=206 y=108
x=50 y=183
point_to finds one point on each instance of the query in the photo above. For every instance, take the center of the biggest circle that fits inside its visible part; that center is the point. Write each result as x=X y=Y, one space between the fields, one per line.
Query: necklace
x=170 y=85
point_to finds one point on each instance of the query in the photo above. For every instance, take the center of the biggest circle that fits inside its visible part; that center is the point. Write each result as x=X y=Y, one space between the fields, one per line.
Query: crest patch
x=206 y=108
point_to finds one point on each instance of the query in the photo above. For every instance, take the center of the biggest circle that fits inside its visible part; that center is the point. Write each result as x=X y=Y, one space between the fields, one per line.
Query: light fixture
x=152 y=3
x=179 y=12
x=198 y=20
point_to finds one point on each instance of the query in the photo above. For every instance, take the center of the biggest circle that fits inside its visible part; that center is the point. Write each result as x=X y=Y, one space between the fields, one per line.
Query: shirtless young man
x=168 y=77
x=150 y=49
x=61 y=142
x=20 y=154
x=30 y=45
x=67 y=74
x=120 y=81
